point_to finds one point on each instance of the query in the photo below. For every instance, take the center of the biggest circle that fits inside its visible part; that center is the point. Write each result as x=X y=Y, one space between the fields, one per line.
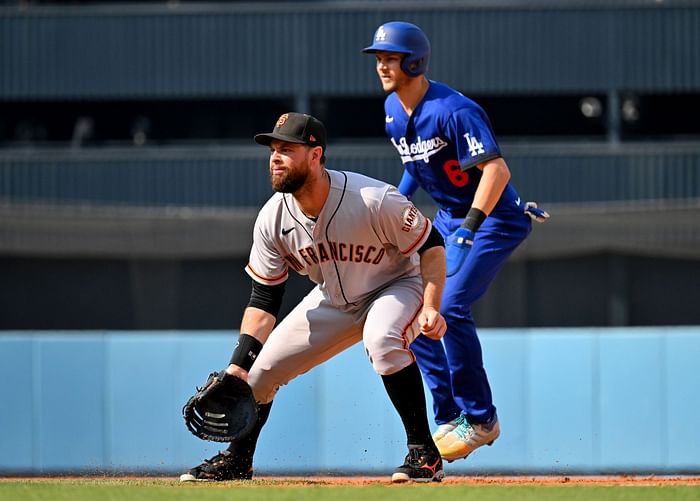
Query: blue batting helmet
x=404 y=38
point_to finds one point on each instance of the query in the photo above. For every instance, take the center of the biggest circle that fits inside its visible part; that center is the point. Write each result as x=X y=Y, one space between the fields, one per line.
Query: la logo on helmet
x=381 y=34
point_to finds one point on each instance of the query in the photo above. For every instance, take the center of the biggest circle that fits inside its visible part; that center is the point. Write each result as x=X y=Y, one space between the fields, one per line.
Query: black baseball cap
x=297 y=128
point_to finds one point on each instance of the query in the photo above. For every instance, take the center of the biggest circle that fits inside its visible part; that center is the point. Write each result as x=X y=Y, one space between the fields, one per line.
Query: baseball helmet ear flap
x=404 y=38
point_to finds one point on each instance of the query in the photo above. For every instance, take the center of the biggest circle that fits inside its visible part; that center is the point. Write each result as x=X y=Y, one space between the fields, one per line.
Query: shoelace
x=220 y=457
x=414 y=457
x=463 y=427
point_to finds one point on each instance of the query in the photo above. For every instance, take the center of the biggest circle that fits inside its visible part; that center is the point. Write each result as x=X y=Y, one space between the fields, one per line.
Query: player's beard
x=292 y=180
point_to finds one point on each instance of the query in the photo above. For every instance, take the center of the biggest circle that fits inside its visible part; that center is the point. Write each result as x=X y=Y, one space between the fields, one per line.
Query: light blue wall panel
x=506 y=356
x=142 y=390
x=681 y=397
x=198 y=354
x=561 y=390
x=16 y=391
x=632 y=405
x=359 y=425
x=70 y=407
x=574 y=400
x=291 y=440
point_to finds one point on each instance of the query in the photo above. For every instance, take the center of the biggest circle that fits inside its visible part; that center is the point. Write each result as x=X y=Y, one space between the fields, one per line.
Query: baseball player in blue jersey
x=448 y=149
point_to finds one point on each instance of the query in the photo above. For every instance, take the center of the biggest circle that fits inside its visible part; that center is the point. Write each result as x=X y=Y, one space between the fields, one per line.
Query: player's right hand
x=432 y=323
x=457 y=247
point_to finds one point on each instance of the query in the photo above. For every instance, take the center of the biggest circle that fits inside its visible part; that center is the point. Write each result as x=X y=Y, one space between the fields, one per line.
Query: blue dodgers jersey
x=445 y=136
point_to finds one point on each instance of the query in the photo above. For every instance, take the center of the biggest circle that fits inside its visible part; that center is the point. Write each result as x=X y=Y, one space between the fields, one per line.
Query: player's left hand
x=535 y=213
x=457 y=247
x=223 y=410
x=432 y=323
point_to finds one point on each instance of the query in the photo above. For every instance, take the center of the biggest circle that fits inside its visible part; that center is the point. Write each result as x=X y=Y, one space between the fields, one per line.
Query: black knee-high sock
x=246 y=446
x=405 y=389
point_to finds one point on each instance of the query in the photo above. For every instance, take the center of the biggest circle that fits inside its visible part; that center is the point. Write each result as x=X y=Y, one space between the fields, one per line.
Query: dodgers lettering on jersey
x=445 y=136
x=366 y=235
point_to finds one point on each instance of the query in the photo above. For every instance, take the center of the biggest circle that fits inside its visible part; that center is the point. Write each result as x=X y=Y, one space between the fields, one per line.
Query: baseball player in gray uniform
x=379 y=266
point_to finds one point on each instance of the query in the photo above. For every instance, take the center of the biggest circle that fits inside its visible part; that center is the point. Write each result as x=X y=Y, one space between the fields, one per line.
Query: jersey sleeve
x=408 y=185
x=401 y=223
x=470 y=130
x=265 y=265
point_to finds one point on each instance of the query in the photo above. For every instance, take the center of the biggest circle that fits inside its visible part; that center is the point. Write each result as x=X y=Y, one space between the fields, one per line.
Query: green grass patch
x=300 y=490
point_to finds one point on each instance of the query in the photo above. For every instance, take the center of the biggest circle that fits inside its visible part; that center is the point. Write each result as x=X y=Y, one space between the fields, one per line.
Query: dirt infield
x=603 y=480
x=507 y=480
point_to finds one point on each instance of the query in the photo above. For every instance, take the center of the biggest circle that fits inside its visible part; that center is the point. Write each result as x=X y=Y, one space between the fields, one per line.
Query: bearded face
x=291 y=180
x=289 y=166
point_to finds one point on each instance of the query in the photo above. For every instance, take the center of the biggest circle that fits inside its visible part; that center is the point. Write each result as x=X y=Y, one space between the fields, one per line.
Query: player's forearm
x=432 y=267
x=257 y=323
x=493 y=181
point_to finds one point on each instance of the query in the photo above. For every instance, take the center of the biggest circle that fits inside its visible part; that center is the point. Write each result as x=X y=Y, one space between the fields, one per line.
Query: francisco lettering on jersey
x=335 y=251
x=418 y=150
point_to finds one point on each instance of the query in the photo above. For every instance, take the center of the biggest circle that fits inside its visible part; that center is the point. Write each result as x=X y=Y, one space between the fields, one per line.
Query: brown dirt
x=607 y=480
x=510 y=480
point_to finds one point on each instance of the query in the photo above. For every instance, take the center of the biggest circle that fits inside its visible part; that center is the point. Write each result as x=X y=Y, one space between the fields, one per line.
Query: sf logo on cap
x=282 y=120
x=381 y=34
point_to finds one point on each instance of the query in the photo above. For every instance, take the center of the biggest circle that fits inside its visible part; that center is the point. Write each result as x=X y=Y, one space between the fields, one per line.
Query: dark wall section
x=56 y=294
x=121 y=294
x=92 y=123
x=138 y=121
x=594 y=290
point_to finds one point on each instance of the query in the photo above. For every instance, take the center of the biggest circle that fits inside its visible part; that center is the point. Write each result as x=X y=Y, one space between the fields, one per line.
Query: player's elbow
x=503 y=171
x=433 y=258
x=497 y=169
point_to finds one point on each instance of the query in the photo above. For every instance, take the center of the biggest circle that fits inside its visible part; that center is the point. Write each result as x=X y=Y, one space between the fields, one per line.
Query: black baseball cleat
x=422 y=464
x=223 y=466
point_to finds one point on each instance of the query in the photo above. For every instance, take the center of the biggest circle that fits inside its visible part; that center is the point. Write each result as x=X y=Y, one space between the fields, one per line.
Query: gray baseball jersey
x=362 y=253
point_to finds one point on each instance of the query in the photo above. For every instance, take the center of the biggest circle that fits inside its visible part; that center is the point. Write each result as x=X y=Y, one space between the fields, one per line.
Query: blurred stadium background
x=129 y=181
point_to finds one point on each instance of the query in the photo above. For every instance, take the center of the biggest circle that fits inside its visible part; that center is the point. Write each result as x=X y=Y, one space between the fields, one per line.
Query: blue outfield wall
x=569 y=400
